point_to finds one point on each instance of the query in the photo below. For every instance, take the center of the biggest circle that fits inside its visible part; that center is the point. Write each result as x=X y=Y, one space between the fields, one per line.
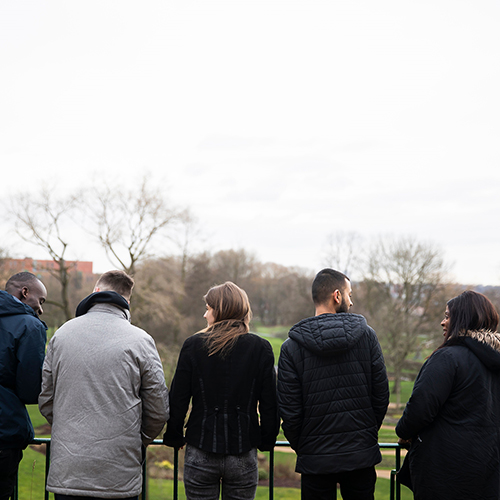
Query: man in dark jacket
x=22 y=350
x=333 y=394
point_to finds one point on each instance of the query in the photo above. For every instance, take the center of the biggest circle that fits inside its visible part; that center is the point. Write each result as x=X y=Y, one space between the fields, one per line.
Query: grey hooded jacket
x=104 y=393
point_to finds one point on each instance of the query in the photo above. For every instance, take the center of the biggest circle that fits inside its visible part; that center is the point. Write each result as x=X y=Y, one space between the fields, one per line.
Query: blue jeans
x=354 y=485
x=205 y=473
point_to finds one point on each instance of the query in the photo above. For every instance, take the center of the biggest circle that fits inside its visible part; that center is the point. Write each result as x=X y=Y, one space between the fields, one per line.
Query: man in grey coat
x=104 y=393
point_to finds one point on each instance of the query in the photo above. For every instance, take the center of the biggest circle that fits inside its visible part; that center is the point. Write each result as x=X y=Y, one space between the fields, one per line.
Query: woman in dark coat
x=453 y=416
x=227 y=372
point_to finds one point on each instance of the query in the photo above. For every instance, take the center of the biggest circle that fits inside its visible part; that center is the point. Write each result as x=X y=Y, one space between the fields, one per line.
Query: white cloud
x=275 y=121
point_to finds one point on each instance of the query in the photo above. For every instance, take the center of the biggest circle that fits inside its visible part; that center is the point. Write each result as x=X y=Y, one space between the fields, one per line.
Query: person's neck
x=322 y=309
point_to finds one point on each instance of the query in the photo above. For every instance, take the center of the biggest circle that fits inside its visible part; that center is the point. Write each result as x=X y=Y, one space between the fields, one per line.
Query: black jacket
x=225 y=394
x=453 y=417
x=333 y=393
x=22 y=350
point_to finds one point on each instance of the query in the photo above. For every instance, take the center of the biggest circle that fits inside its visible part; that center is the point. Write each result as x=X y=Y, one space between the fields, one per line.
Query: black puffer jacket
x=332 y=393
x=225 y=393
x=453 y=417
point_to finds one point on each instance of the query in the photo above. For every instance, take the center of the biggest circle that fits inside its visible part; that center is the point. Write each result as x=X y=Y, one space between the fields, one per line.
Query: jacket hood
x=329 y=333
x=486 y=346
x=101 y=298
x=10 y=306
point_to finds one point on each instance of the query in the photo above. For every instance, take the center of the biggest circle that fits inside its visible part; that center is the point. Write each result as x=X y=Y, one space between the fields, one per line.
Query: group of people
x=101 y=386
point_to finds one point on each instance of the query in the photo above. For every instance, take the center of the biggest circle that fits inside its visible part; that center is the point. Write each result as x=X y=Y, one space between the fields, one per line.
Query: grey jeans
x=205 y=473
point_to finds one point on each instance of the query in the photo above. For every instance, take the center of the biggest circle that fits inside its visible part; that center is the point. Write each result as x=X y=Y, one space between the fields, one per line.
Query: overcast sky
x=275 y=122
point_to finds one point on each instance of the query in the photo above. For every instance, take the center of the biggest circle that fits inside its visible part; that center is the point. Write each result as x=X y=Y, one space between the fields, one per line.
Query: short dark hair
x=116 y=281
x=325 y=283
x=19 y=280
x=471 y=311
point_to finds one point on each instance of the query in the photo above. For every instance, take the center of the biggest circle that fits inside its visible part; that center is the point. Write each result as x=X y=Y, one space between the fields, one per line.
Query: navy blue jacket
x=22 y=350
x=333 y=393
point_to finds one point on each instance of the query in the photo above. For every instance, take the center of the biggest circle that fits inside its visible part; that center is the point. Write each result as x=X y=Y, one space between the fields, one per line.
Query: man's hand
x=405 y=443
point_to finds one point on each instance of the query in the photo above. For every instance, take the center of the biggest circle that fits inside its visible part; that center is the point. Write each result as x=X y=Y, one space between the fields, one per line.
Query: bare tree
x=233 y=265
x=343 y=252
x=4 y=271
x=189 y=230
x=40 y=220
x=281 y=295
x=127 y=221
x=401 y=288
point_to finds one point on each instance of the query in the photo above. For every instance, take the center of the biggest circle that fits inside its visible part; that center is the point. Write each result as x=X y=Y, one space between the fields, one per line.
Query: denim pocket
x=195 y=455
x=247 y=461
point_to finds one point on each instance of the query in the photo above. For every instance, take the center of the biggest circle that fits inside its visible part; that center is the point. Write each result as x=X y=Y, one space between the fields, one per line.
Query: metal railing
x=395 y=486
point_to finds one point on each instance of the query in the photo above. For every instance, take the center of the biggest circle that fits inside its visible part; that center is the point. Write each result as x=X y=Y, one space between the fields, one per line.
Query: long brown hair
x=232 y=315
x=470 y=311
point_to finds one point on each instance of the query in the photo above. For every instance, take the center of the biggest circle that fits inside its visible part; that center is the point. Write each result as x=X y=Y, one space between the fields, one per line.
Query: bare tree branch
x=401 y=284
x=39 y=220
x=127 y=222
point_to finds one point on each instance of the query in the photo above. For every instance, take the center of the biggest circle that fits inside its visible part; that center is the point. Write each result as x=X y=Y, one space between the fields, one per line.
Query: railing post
x=15 y=494
x=176 y=473
x=144 y=476
x=47 y=465
x=271 y=474
x=398 y=466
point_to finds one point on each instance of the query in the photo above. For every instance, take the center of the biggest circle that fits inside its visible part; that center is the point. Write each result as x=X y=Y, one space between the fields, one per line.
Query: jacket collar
x=12 y=306
x=487 y=337
x=485 y=345
x=101 y=298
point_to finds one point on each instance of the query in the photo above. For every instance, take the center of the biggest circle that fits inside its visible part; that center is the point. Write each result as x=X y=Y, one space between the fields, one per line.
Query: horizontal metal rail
x=395 y=486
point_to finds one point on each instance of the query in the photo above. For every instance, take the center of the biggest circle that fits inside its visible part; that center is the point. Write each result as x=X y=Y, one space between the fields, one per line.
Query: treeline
x=400 y=284
x=168 y=296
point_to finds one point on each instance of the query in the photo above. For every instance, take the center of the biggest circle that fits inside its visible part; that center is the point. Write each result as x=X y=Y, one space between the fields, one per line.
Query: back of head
x=18 y=281
x=325 y=283
x=471 y=311
x=229 y=302
x=116 y=281
x=232 y=315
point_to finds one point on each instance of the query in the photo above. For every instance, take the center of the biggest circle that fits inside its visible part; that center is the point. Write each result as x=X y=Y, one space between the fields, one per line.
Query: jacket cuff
x=266 y=447
x=173 y=442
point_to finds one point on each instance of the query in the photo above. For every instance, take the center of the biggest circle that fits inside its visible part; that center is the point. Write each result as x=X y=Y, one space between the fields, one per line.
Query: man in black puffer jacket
x=333 y=394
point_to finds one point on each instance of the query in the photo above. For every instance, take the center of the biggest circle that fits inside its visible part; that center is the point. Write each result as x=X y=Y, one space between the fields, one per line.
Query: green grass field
x=163 y=490
x=32 y=480
x=275 y=335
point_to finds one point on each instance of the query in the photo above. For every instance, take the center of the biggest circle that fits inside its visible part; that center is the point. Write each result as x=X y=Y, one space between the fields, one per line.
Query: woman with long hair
x=453 y=416
x=226 y=372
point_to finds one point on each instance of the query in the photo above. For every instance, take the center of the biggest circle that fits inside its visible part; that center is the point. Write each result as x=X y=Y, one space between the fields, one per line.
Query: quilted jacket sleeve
x=379 y=382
